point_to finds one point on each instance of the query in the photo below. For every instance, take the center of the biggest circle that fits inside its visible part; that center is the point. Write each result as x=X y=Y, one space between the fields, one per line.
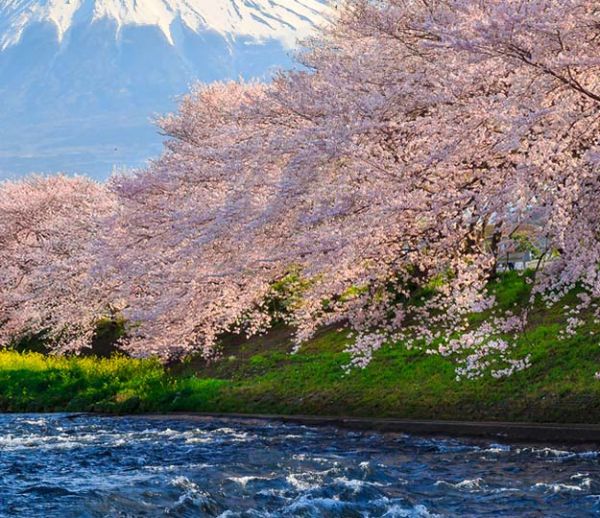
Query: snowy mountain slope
x=80 y=80
x=260 y=19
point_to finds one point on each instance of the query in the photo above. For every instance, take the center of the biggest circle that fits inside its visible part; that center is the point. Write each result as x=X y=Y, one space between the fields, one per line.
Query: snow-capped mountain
x=80 y=80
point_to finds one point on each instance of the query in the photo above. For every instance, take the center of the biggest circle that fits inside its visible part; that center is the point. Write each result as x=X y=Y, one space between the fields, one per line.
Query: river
x=81 y=466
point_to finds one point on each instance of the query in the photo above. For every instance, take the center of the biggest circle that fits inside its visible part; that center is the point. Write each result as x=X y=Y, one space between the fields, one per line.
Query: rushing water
x=61 y=466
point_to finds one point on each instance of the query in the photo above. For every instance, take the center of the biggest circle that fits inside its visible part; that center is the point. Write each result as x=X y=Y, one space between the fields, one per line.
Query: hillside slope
x=260 y=376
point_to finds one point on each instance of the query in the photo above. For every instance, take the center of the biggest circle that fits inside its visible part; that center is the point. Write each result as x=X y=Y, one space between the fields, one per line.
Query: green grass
x=260 y=376
x=33 y=382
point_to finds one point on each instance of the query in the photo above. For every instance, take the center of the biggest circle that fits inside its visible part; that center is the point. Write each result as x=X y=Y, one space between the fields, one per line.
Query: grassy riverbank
x=260 y=376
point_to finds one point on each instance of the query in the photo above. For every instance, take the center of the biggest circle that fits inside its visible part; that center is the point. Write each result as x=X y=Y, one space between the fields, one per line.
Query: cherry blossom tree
x=47 y=229
x=181 y=244
x=422 y=137
x=483 y=114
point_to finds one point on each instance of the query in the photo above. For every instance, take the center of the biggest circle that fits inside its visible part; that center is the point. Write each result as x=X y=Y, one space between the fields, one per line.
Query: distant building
x=514 y=260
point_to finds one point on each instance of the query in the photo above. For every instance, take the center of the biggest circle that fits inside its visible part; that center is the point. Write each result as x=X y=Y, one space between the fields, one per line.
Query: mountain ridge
x=80 y=83
x=259 y=19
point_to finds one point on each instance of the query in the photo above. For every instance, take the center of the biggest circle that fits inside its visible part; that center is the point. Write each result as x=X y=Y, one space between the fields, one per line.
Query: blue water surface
x=81 y=466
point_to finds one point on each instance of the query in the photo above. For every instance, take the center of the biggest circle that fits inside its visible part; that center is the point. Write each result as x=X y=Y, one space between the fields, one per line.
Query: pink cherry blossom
x=389 y=176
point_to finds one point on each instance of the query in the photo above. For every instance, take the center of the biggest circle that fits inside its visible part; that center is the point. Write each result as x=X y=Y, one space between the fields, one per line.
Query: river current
x=80 y=466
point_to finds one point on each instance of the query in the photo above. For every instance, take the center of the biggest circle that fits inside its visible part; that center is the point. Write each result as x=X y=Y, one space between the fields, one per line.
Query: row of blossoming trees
x=403 y=159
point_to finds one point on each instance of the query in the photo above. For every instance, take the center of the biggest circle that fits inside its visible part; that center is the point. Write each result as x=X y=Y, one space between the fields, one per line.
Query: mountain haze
x=81 y=80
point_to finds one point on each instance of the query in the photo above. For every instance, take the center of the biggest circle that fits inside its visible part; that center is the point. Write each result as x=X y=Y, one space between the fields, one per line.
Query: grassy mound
x=261 y=376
